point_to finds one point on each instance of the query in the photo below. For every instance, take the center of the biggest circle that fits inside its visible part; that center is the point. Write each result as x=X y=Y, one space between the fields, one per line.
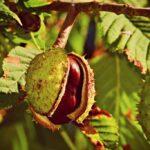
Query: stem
x=67 y=139
x=95 y=5
x=117 y=108
x=66 y=28
x=34 y=40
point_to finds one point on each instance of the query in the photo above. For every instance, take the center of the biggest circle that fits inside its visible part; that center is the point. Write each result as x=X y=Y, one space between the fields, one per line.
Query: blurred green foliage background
x=118 y=82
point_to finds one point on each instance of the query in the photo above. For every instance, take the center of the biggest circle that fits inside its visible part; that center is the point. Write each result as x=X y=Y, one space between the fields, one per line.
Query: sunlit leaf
x=117 y=86
x=15 y=66
x=6 y=11
x=101 y=129
x=121 y=35
x=36 y=3
x=143 y=23
x=134 y=2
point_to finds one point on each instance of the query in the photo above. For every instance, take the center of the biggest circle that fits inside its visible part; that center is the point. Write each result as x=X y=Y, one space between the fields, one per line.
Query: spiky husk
x=46 y=84
x=44 y=80
x=44 y=121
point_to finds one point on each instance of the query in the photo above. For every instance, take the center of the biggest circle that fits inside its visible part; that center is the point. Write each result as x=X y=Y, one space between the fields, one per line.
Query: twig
x=67 y=139
x=34 y=40
x=91 y=6
x=66 y=28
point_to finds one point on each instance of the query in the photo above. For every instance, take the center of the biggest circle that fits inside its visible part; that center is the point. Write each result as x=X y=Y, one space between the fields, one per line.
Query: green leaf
x=15 y=66
x=19 y=36
x=121 y=35
x=117 y=86
x=134 y=2
x=101 y=130
x=144 y=108
x=117 y=82
x=143 y=23
x=5 y=45
x=107 y=129
x=6 y=11
x=132 y=130
x=36 y=3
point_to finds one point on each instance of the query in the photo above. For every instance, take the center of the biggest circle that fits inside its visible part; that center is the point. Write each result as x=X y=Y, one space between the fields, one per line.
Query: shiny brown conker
x=71 y=99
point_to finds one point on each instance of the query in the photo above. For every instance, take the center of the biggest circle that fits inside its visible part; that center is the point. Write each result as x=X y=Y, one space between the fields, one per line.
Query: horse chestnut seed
x=60 y=86
x=69 y=101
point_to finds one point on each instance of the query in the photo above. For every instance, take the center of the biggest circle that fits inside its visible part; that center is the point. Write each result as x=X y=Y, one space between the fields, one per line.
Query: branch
x=91 y=6
x=66 y=28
